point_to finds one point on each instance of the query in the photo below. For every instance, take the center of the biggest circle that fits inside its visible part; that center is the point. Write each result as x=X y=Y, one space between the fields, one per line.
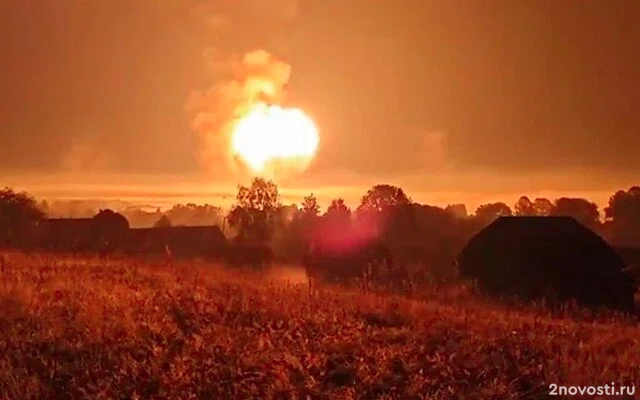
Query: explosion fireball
x=241 y=117
x=272 y=136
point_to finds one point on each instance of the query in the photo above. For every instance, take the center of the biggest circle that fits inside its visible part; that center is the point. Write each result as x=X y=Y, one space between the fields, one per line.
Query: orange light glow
x=272 y=134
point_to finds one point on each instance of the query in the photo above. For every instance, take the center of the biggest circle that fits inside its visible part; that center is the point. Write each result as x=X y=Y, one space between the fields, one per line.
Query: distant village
x=139 y=216
x=414 y=232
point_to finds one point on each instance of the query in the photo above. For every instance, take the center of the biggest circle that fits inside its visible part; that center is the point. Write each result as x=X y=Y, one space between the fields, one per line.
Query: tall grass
x=89 y=328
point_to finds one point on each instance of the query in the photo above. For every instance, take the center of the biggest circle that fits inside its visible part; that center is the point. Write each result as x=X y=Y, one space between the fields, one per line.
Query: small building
x=183 y=241
x=556 y=258
x=64 y=234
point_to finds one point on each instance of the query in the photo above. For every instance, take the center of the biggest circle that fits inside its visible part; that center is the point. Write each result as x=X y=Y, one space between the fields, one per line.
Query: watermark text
x=610 y=389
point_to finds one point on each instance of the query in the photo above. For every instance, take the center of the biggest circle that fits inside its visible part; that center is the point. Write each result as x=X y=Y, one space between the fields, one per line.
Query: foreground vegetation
x=81 y=328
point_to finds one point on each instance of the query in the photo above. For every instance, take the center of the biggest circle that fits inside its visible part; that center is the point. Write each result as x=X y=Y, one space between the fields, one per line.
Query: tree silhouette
x=292 y=241
x=256 y=211
x=380 y=206
x=285 y=214
x=624 y=213
x=623 y=204
x=419 y=224
x=310 y=206
x=286 y=236
x=524 y=207
x=308 y=216
x=18 y=215
x=582 y=210
x=163 y=222
x=111 y=229
x=338 y=215
x=44 y=207
x=111 y=219
x=338 y=208
x=381 y=197
x=457 y=210
x=487 y=213
x=542 y=207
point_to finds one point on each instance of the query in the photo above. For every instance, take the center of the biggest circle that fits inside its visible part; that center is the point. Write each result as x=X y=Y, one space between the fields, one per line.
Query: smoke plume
x=246 y=38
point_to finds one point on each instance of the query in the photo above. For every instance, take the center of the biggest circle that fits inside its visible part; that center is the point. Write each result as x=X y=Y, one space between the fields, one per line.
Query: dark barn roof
x=538 y=232
x=538 y=254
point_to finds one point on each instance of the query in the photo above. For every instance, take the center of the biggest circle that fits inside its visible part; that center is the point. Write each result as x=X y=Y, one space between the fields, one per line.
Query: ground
x=81 y=328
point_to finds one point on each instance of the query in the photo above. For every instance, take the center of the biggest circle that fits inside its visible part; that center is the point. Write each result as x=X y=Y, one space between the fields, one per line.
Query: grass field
x=80 y=328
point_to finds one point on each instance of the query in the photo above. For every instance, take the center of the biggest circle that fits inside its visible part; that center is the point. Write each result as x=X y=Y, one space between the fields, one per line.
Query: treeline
x=259 y=215
x=416 y=233
x=390 y=210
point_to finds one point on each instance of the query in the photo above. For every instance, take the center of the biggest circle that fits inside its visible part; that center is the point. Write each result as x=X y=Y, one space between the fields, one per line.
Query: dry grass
x=77 y=328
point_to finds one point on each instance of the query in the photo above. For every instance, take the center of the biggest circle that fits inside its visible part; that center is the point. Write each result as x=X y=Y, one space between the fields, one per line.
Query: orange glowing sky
x=452 y=101
x=166 y=190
